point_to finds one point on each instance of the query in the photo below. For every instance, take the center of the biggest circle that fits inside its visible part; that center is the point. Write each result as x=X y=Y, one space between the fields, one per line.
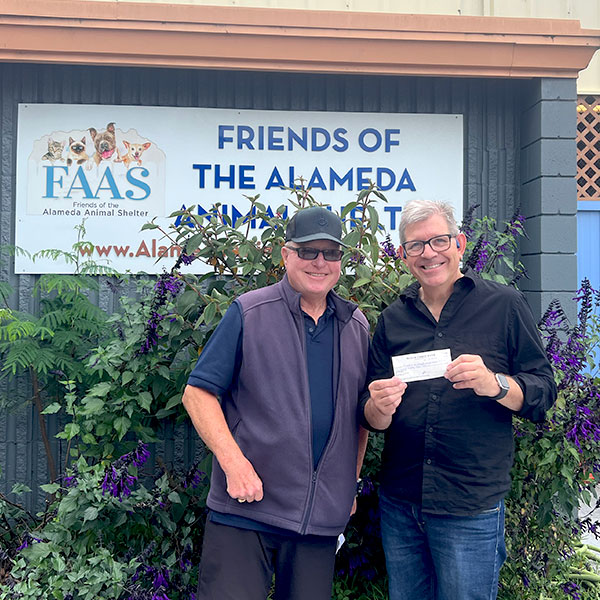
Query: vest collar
x=343 y=309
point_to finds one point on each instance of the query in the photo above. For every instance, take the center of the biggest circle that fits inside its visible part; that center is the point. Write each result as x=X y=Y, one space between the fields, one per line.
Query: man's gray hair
x=419 y=210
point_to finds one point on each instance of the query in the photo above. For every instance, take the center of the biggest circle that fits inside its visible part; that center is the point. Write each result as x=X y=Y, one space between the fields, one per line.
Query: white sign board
x=118 y=167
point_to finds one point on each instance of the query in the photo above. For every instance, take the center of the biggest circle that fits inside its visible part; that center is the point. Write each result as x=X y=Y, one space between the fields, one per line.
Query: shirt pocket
x=490 y=345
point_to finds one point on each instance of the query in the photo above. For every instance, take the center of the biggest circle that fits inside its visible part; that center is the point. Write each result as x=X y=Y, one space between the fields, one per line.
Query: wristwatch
x=359 y=486
x=502 y=381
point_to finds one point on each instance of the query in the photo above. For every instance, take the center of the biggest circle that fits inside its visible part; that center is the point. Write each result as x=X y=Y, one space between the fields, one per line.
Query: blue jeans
x=441 y=557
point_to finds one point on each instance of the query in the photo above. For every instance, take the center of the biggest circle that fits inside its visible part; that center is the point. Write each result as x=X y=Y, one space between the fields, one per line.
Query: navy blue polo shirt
x=219 y=364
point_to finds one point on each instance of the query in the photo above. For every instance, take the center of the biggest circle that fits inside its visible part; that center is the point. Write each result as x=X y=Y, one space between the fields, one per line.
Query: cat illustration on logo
x=77 y=153
x=55 y=150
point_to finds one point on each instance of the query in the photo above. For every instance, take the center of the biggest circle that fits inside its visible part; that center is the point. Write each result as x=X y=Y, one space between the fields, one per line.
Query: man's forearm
x=206 y=413
x=209 y=421
x=363 y=440
x=514 y=398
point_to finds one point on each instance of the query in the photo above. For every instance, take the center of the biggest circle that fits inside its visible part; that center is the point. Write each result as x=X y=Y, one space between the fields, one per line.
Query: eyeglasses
x=439 y=243
x=308 y=253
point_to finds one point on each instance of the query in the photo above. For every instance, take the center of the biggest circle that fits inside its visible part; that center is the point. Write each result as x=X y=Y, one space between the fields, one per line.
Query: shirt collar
x=342 y=309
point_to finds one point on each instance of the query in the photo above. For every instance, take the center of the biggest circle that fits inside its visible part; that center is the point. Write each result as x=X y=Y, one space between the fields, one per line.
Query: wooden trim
x=211 y=37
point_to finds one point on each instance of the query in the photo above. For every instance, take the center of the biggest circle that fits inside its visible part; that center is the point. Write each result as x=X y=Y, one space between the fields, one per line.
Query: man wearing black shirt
x=448 y=439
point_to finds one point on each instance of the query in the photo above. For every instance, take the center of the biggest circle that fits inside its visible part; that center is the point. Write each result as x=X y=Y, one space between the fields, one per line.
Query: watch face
x=503 y=384
x=502 y=381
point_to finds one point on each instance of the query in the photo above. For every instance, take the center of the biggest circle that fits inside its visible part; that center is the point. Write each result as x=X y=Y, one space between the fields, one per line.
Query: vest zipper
x=309 y=505
x=313 y=483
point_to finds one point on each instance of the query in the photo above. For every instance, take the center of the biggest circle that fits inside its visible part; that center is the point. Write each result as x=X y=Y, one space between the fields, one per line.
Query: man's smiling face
x=312 y=278
x=435 y=269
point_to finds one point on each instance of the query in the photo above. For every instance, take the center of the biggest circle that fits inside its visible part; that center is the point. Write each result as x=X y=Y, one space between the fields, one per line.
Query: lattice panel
x=588 y=148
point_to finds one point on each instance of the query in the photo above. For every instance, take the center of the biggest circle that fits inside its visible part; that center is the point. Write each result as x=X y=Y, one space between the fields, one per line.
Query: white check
x=421 y=365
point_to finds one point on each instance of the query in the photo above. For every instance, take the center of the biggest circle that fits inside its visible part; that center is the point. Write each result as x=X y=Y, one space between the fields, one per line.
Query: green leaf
x=52 y=408
x=164 y=372
x=88 y=438
x=5 y=291
x=363 y=272
x=174 y=497
x=37 y=551
x=248 y=268
x=210 y=312
x=373 y=218
x=348 y=208
x=549 y=459
x=163 y=413
x=276 y=254
x=173 y=401
x=567 y=474
x=186 y=302
x=90 y=514
x=120 y=519
x=352 y=238
x=70 y=431
x=194 y=243
x=361 y=282
x=126 y=377
x=145 y=400
x=18 y=489
x=50 y=488
x=100 y=389
x=121 y=425
x=362 y=194
x=93 y=405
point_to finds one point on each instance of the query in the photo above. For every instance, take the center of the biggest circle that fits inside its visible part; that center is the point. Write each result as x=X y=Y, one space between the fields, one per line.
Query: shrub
x=112 y=531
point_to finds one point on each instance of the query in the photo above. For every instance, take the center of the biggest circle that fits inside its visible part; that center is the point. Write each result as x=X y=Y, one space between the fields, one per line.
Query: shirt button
x=434 y=397
x=430 y=430
x=311 y=329
x=428 y=461
x=440 y=334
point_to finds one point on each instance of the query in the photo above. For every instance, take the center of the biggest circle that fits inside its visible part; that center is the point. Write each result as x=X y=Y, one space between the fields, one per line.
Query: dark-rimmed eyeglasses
x=439 y=243
x=308 y=253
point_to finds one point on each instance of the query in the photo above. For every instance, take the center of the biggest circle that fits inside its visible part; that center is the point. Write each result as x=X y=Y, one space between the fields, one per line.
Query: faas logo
x=97 y=172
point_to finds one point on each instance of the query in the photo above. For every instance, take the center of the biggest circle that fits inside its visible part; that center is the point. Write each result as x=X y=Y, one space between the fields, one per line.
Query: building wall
x=492 y=110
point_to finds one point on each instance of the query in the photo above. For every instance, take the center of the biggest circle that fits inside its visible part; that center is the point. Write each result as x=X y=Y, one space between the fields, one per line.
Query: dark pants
x=238 y=564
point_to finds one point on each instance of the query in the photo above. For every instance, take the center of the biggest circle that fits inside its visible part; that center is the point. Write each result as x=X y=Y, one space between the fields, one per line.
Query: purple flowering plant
x=112 y=535
x=557 y=468
x=493 y=252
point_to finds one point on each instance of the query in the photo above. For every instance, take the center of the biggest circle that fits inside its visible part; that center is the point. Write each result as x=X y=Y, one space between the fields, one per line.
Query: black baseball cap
x=314 y=223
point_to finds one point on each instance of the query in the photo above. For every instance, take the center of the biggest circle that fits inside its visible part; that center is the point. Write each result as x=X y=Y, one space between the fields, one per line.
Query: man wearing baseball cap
x=274 y=395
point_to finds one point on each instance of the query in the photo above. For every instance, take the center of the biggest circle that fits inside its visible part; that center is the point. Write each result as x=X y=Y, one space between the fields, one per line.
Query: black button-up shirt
x=449 y=450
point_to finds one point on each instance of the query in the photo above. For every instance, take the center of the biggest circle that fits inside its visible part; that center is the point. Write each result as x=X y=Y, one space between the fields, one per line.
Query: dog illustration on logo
x=77 y=153
x=105 y=143
x=134 y=153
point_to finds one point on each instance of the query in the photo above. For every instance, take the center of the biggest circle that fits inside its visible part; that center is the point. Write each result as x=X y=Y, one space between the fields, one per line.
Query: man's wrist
x=503 y=386
x=359 y=486
x=375 y=417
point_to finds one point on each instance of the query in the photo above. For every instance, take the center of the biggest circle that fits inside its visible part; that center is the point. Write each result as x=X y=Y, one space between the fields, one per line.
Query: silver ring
x=241 y=500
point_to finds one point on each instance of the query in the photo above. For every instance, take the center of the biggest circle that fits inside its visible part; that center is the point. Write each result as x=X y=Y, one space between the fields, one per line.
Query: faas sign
x=115 y=168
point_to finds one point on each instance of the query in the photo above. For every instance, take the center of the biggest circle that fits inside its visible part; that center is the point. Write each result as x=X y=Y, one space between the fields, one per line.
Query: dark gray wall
x=493 y=176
